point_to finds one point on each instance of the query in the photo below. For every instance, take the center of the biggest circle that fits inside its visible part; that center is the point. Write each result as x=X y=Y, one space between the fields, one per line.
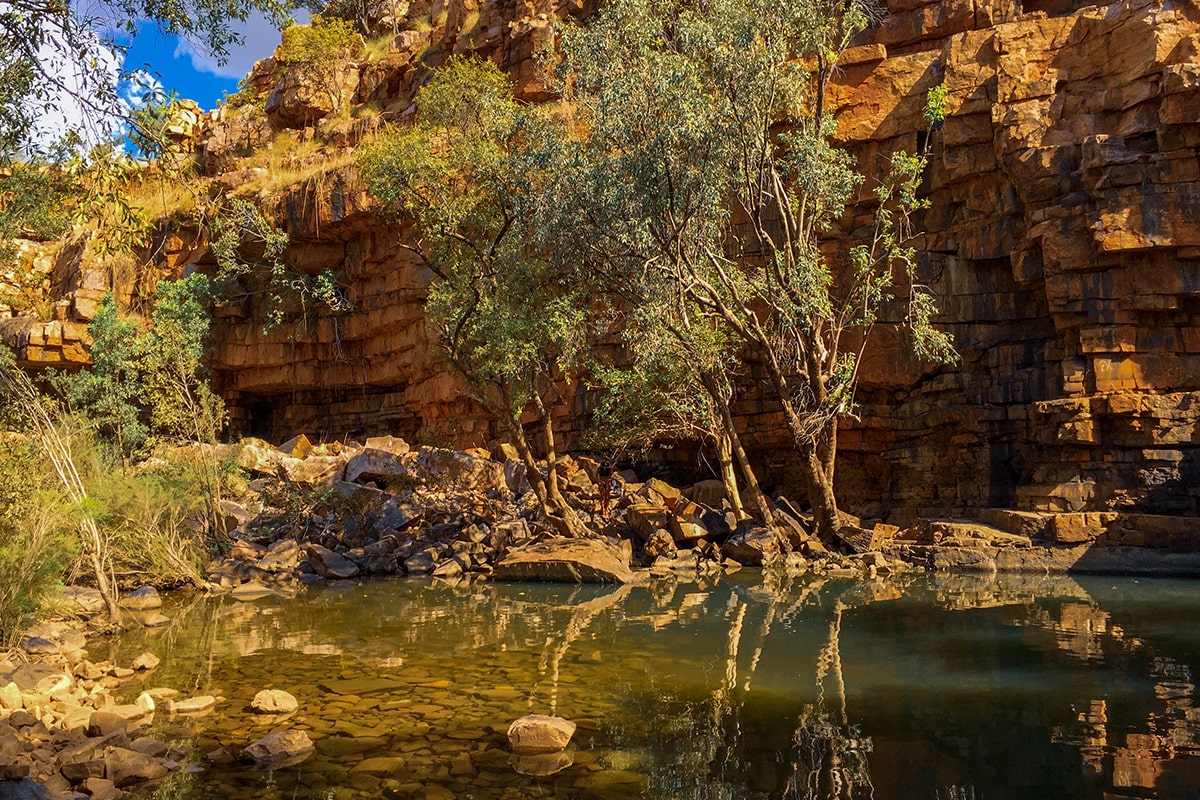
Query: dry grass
x=377 y=48
x=161 y=197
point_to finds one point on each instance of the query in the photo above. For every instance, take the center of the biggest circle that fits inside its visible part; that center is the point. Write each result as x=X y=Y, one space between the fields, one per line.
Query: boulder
x=192 y=705
x=25 y=789
x=753 y=546
x=516 y=477
x=142 y=599
x=10 y=697
x=566 y=561
x=314 y=470
x=707 y=493
x=688 y=523
x=297 y=447
x=661 y=492
x=274 y=701
x=83 y=598
x=257 y=456
x=150 y=619
x=450 y=469
x=279 y=748
x=39 y=678
x=303 y=96
x=329 y=564
x=661 y=544
x=283 y=555
x=102 y=789
x=419 y=563
x=103 y=723
x=146 y=661
x=539 y=733
x=126 y=767
x=646 y=518
x=382 y=457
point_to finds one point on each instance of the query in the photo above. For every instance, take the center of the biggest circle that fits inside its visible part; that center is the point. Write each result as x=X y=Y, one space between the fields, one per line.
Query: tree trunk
x=564 y=517
x=820 y=496
x=818 y=453
x=99 y=570
x=728 y=474
x=557 y=512
x=759 y=505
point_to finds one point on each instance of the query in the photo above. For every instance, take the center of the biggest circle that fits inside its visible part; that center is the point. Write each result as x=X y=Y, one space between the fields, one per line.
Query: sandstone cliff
x=1063 y=242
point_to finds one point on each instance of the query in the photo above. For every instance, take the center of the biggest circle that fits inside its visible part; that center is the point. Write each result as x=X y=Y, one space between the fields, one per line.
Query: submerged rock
x=282 y=747
x=274 y=701
x=534 y=734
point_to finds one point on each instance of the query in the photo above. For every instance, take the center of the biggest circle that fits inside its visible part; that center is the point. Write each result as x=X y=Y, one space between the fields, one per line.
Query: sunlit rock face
x=1063 y=243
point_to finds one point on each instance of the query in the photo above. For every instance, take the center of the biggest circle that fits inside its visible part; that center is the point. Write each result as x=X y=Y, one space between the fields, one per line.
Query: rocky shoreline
x=312 y=513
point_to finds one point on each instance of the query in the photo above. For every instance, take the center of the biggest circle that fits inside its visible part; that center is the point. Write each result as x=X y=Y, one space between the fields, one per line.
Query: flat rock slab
x=362 y=686
x=566 y=561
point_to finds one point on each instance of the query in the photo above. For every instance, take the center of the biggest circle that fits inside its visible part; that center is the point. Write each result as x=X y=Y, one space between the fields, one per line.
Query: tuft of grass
x=377 y=48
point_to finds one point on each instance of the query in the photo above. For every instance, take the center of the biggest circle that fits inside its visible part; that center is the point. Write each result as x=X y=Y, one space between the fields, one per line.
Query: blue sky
x=191 y=72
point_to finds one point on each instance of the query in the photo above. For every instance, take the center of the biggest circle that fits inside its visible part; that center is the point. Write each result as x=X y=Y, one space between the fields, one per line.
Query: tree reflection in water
x=714 y=688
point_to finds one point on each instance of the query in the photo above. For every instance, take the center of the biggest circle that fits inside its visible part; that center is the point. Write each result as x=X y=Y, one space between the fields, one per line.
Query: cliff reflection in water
x=796 y=687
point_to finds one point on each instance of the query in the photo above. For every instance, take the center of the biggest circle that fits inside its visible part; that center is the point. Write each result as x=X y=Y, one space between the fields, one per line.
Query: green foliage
x=32 y=201
x=84 y=38
x=469 y=172
x=110 y=393
x=704 y=180
x=35 y=544
x=935 y=104
x=250 y=253
x=150 y=518
x=148 y=126
x=662 y=394
x=325 y=41
x=183 y=405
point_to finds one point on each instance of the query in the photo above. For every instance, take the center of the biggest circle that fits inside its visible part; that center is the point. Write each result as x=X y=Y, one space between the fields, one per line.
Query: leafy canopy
x=469 y=172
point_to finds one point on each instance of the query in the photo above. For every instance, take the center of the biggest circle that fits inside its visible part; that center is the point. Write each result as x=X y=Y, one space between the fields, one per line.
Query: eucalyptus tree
x=678 y=385
x=469 y=173
x=707 y=155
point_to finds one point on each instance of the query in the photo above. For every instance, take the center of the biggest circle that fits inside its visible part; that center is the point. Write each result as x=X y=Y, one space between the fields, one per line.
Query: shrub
x=35 y=542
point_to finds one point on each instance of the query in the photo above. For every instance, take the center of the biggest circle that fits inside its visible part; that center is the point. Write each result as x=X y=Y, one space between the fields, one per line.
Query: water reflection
x=950 y=687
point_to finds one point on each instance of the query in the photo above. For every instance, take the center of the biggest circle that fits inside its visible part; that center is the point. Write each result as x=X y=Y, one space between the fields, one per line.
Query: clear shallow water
x=932 y=687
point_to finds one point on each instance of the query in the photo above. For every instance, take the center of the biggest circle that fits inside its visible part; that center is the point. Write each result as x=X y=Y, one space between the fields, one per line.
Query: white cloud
x=259 y=40
x=74 y=103
x=141 y=88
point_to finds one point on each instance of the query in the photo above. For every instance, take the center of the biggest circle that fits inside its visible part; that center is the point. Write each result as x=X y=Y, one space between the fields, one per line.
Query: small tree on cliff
x=511 y=325
x=710 y=171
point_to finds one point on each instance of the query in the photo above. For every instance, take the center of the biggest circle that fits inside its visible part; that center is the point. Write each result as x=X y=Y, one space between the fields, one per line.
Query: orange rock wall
x=1063 y=243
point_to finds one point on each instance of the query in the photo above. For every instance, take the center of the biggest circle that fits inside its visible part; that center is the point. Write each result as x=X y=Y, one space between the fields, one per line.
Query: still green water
x=932 y=687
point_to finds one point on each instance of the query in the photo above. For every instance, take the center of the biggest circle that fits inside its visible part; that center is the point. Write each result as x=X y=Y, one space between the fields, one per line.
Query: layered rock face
x=1063 y=243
